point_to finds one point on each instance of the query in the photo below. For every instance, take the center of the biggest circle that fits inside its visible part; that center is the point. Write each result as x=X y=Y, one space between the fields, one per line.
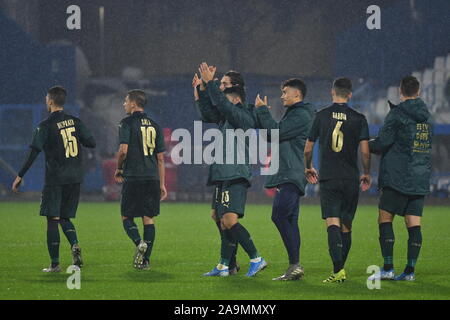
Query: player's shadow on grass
x=148 y=276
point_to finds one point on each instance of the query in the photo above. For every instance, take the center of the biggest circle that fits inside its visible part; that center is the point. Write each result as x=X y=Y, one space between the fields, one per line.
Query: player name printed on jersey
x=339 y=116
x=146 y=122
x=65 y=123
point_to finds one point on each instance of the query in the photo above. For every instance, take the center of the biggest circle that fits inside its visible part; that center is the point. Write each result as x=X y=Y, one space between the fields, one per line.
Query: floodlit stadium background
x=157 y=46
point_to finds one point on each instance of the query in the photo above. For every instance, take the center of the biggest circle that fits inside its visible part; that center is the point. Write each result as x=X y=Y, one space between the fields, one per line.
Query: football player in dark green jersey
x=230 y=111
x=341 y=131
x=140 y=167
x=290 y=180
x=208 y=114
x=60 y=136
x=404 y=143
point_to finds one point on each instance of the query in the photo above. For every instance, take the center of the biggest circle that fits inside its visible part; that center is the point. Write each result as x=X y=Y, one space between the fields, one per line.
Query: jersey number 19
x=70 y=142
x=148 y=139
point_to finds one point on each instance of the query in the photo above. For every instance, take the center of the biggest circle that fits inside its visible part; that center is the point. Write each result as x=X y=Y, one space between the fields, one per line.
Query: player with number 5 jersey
x=60 y=136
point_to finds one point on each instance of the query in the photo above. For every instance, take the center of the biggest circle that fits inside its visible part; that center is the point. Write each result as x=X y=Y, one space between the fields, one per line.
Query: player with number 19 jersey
x=145 y=140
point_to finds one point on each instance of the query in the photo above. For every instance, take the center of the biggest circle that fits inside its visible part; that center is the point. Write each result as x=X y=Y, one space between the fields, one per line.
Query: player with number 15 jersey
x=61 y=137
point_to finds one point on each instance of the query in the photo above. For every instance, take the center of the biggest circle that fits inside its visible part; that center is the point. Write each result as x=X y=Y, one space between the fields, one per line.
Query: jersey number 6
x=337 y=141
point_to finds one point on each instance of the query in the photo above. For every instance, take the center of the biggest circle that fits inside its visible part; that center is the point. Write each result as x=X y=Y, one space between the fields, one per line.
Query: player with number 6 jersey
x=341 y=131
x=60 y=136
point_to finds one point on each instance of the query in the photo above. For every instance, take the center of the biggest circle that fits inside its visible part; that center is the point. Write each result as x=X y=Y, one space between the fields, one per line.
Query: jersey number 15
x=70 y=142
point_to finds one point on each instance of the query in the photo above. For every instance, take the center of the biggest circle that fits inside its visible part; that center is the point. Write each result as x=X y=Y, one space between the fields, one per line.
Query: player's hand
x=163 y=192
x=213 y=214
x=196 y=81
x=311 y=175
x=206 y=72
x=118 y=176
x=366 y=182
x=259 y=102
x=16 y=184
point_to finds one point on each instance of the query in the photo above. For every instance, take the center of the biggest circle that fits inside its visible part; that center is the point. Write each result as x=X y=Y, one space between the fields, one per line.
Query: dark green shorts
x=401 y=204
x=140 y=198
x=339 y=199
x=60 y=201
x=230 y=196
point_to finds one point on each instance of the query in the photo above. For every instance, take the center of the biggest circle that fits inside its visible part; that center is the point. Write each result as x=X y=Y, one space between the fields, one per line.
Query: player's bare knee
x=346 y=228
x=385 y=216
x=333 y=221
x=412 y=221
x=148 y=220
x=229 y=220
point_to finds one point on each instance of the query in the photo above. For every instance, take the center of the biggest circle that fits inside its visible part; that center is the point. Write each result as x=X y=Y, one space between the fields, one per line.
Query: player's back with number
x=145 y=140
x=340 y=130
x=61 y=137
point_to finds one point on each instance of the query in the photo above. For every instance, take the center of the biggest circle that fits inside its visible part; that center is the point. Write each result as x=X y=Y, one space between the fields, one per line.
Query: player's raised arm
x=207 y=110
x=237 y=117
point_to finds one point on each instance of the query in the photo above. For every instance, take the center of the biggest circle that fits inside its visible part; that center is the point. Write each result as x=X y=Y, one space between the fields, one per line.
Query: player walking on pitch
x=290 y=179
x=140 y=167
x=59 y=136
x=404 y=143
x=341 y=130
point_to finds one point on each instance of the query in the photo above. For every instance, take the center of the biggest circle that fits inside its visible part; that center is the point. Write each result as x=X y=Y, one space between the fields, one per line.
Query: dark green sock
x=229 y=245
x=149 y=238
x=241 y=236
x=387 y=241
x=346 y=245
x=69 y=230
x=335 y=247
x=227 y=257
x=53 y=240
x=414 y=245
x=132 y=231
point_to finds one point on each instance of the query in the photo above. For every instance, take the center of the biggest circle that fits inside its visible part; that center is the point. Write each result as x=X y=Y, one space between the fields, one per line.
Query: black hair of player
x=342 y=87
x=237 y=81
x=58 y=95
x=137 y=96
x=409 y=86
x=296 y=84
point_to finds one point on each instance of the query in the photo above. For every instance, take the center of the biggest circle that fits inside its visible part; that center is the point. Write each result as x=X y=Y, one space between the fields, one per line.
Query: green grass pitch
x=187 y=245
